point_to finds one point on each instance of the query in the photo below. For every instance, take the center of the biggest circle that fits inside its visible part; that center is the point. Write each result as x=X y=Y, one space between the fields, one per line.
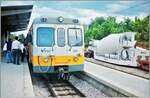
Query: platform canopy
x=15 y=18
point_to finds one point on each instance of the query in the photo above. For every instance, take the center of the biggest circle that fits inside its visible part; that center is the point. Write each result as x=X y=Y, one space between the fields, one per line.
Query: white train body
x=116 y=48
x=56 y=43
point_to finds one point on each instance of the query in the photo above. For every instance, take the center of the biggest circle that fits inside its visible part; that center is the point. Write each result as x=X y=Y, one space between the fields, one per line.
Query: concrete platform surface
x=129 y=83
x=130 y=70
x=16 y=81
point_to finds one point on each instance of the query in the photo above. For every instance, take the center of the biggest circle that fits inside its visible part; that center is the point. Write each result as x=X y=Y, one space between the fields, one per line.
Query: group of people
x=14 y=50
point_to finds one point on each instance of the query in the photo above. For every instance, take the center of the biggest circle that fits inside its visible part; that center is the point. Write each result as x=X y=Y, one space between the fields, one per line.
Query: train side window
x=61 y=37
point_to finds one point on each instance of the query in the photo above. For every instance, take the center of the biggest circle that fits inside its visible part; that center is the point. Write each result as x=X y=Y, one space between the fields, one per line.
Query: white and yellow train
x=56 y=43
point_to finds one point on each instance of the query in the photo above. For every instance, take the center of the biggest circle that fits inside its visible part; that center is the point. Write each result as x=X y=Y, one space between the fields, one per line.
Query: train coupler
x=62 y=74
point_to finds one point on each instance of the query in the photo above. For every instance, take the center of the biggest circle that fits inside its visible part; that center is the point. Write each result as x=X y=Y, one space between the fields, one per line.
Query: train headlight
x=46 y=59
x=60 y=19
x=75 y=59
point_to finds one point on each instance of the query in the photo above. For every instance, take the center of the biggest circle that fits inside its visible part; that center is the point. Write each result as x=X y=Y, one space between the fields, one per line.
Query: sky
x=85 y=11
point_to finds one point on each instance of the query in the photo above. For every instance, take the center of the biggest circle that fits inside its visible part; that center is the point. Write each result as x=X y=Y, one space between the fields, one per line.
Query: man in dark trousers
x=16 y=51
x=22 y=52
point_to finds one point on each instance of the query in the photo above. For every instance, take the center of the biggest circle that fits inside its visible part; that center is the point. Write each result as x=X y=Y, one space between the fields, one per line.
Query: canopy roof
x=15 y=18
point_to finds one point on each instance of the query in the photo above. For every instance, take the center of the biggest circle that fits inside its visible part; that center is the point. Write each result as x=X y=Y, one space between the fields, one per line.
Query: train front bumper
x=54 y=69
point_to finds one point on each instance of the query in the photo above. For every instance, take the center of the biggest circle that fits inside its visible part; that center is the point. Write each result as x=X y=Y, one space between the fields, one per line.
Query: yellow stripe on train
x=57 y=60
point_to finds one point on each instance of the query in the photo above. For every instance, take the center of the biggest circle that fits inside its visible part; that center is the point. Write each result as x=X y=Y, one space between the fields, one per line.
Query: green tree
x=142 y=29
x=21 y=37
x=102 y=27
x=12 y=36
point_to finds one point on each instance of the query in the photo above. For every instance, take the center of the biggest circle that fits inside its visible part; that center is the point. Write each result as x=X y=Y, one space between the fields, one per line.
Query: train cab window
x=75 y=37
x=45 y=36
x=61 y=37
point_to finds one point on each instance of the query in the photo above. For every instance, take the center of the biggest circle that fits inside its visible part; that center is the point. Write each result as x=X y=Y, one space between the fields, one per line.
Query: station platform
x=123 y=82
x=16 y=81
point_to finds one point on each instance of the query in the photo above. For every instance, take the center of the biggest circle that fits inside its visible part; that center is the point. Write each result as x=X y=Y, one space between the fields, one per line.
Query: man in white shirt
x=16 y=51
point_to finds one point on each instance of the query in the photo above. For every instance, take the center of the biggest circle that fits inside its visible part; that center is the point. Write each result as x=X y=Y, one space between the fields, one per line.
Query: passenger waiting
x=5 y=50
x=9 y=52
x=16 y=51
x=22 y=50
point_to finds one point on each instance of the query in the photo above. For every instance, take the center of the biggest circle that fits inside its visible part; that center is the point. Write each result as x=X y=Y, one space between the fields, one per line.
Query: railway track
x=48 y=86
x=61 y=88
x=64 y=88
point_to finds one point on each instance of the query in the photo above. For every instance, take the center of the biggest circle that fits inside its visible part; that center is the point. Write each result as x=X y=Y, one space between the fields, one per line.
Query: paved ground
x=134 y=71
x=132 y=84
x=15 y=81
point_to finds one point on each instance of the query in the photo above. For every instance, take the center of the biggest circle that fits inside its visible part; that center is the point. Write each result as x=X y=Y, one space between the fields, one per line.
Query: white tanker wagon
x=116 y=48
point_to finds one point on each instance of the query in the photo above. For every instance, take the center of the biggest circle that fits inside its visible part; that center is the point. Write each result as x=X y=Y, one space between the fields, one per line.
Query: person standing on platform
x=16 y=51
x=5 y=51
x=26 y=52
x=9 y=52
x=22 y=50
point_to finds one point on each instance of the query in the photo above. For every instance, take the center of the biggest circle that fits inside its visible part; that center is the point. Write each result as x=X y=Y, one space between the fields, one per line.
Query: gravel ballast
x=83 y=86
x=86 y=88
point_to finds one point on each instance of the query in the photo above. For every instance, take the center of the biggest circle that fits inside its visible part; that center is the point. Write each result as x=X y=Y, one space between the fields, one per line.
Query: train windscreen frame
x=75 y=37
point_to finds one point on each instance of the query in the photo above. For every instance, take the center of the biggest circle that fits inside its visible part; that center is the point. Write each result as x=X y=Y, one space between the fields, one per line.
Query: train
x=119 y=49
x=56 y=45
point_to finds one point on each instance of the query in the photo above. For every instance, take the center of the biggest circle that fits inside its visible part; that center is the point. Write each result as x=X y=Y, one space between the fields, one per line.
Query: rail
x=62 y=88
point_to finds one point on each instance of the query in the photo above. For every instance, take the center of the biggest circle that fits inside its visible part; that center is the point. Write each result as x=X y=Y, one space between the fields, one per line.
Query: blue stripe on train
x=50 y=69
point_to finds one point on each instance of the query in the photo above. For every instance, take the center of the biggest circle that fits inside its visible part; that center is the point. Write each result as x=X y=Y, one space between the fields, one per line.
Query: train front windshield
x=75 y=37
x=45 y=36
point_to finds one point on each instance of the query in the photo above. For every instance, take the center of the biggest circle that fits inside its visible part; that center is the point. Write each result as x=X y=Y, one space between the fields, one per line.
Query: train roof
x=56 y=20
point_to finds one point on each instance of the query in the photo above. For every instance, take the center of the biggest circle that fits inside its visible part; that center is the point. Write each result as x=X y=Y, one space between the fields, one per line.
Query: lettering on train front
x=44 y=50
